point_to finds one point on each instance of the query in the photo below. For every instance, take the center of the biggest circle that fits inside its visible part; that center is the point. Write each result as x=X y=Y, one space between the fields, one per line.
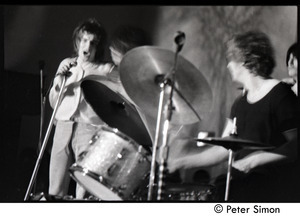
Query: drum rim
x=93 y=175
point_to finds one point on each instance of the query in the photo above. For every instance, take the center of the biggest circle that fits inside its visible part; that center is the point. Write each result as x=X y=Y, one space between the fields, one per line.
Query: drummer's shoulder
x=104 y=67
x=107 y=66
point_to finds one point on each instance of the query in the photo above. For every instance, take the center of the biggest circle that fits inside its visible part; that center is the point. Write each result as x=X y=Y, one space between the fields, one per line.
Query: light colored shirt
x=73 y=106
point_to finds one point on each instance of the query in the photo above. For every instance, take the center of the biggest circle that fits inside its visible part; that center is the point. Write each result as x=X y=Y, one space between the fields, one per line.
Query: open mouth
x=86 y=54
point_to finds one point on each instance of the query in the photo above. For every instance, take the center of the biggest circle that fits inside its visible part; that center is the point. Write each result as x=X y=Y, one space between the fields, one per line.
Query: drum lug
x=120 y=190
x=142 y=159
x=82 y=155
x=146 y=176
x=122 y=187
x=111 y=169
x=93 y=139
x=122 y=154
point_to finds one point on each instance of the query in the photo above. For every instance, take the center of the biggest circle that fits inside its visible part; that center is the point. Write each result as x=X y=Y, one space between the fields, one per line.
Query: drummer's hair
x=127 y=37
x=91 y=26
x=255 y=50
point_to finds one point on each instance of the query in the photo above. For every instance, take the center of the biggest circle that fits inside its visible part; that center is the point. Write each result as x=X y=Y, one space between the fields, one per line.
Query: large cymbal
x=141 y=67
x=234 y=143
x=116 y=111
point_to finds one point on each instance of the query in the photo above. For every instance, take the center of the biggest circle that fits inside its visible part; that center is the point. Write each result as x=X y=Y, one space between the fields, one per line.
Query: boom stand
x=155 y=144
x=163 y=149
x=39 y=159
x=164 y=146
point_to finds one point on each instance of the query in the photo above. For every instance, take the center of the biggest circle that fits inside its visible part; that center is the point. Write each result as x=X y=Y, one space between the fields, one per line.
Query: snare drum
x=114 y=166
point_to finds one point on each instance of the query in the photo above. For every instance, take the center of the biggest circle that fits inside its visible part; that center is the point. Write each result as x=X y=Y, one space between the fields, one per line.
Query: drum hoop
x=93 y=175
x=139 y=148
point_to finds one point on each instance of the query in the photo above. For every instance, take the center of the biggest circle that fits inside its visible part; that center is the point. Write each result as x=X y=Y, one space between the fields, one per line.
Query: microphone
x=179 y=40
x=41 y=68
x=68 y=73
x=73 y=64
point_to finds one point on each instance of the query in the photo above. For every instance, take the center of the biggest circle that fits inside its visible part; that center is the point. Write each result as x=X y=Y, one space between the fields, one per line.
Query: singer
x=75 y=119
x=266 y=113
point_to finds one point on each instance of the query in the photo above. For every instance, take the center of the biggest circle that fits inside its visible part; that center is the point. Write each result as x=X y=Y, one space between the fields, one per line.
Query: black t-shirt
x=266 y=120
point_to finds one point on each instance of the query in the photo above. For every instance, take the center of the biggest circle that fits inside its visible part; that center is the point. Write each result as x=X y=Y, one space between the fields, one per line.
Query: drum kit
x=121 y=162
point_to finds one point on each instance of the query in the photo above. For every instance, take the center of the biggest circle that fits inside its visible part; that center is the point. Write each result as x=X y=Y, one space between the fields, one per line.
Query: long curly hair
x=255 y=50
x=127 y=37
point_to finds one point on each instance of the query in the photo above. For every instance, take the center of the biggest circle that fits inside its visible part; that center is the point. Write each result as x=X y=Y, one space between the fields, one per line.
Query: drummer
x=124 y=39
x=266 y=113
x=76 y=122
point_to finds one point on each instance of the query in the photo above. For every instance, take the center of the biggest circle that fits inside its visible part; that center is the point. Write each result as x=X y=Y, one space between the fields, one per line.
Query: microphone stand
x=43 y=102
x=43 y=147
x=155 y=144
x=164 y=148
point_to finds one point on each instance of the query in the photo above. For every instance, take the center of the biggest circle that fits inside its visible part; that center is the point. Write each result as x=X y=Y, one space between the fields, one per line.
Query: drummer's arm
x=211 y=156
x=287 y=152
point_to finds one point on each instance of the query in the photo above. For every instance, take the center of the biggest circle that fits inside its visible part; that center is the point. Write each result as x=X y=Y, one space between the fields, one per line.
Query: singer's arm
x=64 y=67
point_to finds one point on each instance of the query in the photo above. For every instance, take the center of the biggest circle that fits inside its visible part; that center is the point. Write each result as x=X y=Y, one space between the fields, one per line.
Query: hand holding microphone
x=64 y=68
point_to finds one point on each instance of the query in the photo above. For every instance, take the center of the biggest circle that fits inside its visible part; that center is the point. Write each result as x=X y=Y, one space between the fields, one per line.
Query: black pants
x=257 y=187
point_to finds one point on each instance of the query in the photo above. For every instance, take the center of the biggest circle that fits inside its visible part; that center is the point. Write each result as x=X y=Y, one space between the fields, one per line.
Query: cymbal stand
x=43 y=147
x=230 y=159
x=164 y=80
x=155 y=144
x=164 y=147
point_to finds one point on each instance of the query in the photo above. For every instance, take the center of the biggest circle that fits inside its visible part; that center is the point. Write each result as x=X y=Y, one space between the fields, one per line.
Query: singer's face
x=87 y=47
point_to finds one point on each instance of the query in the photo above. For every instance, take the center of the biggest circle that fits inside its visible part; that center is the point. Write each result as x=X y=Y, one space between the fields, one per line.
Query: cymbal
x=116 y=111
x=234 y=143
x=142 y=68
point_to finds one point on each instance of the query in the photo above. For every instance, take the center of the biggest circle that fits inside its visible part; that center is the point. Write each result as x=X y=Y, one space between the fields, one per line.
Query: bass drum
x=114 y=167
